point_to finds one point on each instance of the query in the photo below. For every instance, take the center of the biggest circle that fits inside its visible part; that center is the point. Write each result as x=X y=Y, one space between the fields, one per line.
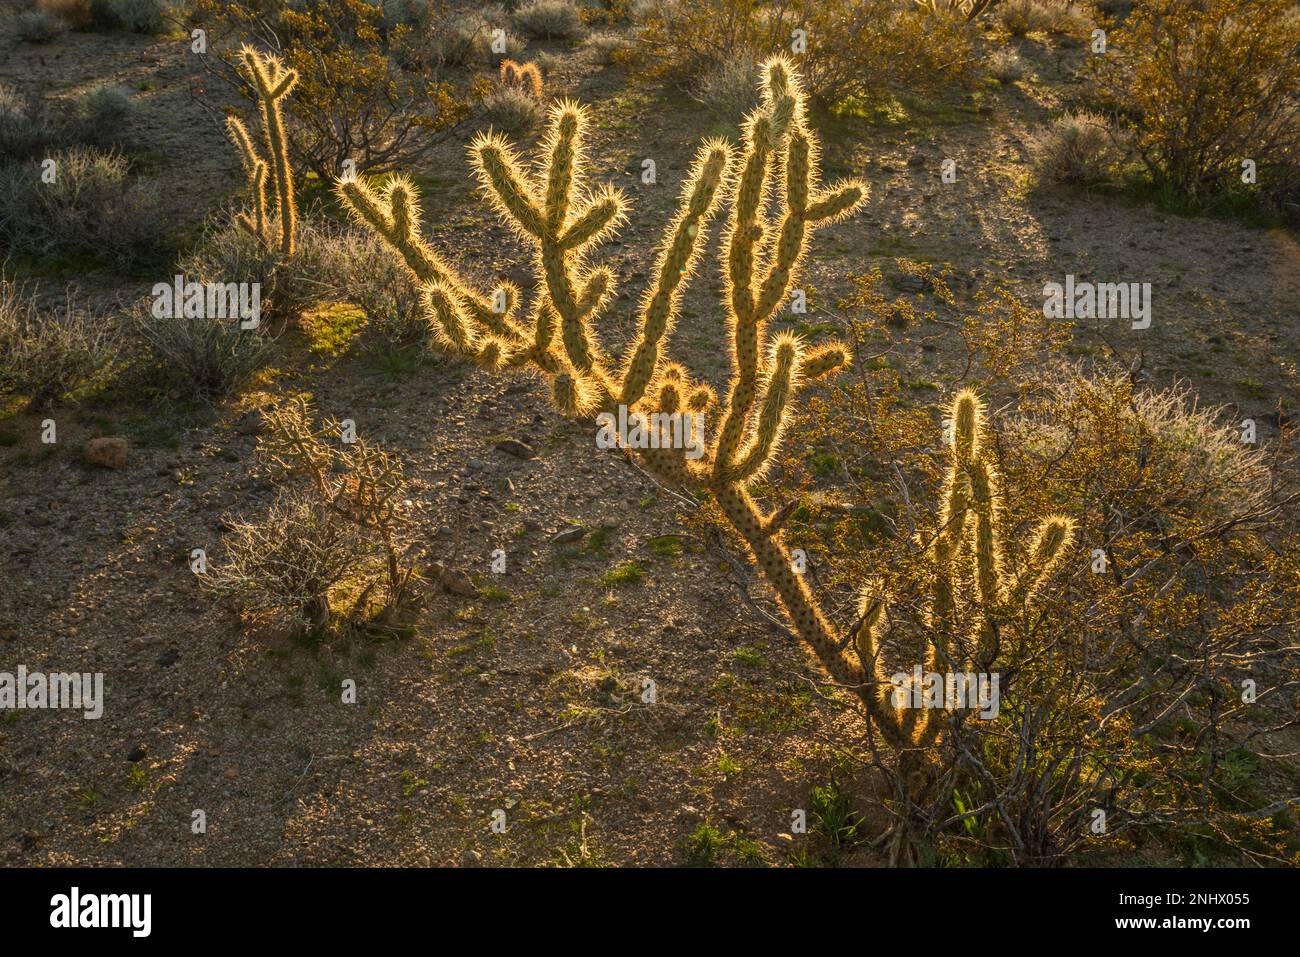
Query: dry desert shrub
x=1121 y=688
x=369 y=92
x=48 y=354
x=76 y=14
x=1078 y=149
x=729 y=90
x=287 y=562
x=1023 y=17
x=38 y=26
x=607 y=48
x=91 y=208
x=512 y=110
x=549 y=20
x=1005 y=66
x=135 y=16
x=339 y=263
x=202 y=357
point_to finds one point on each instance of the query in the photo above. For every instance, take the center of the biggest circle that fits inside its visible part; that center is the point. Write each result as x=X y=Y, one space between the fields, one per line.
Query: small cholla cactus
x=358 y=483
x=966 y=550
x=522 y=76
x=271 y=83
x=563 y=217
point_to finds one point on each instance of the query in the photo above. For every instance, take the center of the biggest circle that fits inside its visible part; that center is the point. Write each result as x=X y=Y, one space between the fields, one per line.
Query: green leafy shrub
x=370 y=92
x=858 y=50
x=1205 y=86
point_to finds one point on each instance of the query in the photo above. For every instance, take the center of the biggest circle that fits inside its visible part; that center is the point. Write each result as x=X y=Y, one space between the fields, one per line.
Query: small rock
x=138 y=753
x=169 y=658
x=911 y=284
x=570 y=533
x=788 y=838
x=108 y=453
x=520 y=450
x=471 y=858
x=520 y=276
x=454 y=581
x=250 y=423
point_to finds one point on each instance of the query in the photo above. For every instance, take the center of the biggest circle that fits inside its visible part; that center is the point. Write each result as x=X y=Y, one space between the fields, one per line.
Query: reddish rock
x=108 y=453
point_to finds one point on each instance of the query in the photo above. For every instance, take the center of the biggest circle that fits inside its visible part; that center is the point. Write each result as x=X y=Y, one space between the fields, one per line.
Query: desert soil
x=528 y=698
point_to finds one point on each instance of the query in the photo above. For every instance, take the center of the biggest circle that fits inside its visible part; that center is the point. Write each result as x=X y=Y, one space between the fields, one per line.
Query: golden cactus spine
x=271 y=83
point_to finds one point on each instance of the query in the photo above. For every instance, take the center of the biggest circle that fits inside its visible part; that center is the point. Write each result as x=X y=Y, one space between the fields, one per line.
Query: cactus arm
x=742 y=235
x=836 y=203
x=597 y=287
x=775 y=139
x=393 y=214
x=506 y=184
x=563 y=148
x=451 y=326
x=678 y=256
x=988 y=551
x=779 y=389
x=825 y=359
x=1052 y=540
x=255 y=168
x=602 y=216
x=243 y=142
x=796 y=599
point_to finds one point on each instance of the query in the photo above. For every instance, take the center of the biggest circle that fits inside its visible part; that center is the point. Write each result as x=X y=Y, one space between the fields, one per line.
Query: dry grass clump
x=550 y=20
x=1077 y=149
x=47 y=355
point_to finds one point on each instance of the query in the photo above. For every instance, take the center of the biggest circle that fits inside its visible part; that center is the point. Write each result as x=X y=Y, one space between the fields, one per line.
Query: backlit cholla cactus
x=563 y=218
x=973 y=591
x=524 y=76
x=271 y=83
